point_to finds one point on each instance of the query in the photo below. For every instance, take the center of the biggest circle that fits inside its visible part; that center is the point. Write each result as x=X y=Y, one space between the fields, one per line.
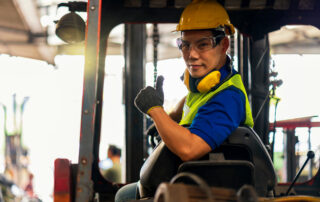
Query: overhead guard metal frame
x=106 y=14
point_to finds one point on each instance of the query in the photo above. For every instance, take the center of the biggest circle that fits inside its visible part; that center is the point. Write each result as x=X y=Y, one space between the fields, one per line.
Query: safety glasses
x=200 y=45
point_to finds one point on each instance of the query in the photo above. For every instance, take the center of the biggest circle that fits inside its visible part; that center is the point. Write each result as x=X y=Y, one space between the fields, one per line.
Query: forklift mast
x=254 y=19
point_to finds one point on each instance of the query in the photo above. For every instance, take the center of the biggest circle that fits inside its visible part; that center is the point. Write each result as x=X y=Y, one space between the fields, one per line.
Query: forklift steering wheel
x=153 y=136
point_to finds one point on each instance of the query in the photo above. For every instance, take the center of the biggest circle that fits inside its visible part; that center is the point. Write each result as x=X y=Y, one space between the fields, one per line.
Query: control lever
x=310 y=155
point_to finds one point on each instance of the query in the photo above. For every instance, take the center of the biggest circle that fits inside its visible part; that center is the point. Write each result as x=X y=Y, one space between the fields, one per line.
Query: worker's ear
x=225 y=44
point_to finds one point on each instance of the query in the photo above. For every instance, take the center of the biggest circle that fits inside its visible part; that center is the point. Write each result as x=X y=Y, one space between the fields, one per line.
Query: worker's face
x=200 y=61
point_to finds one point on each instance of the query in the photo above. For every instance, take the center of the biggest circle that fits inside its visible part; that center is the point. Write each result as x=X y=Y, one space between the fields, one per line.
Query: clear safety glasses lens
x=201 y=45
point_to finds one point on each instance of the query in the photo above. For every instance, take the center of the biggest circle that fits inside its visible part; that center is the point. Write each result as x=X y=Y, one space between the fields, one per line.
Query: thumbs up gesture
x=150 y=97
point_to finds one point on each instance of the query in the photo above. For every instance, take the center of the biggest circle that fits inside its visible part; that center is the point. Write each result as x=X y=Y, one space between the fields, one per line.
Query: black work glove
x=150 y=97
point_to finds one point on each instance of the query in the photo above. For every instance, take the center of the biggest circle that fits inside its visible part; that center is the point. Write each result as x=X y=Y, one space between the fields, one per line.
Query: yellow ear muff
x=186 y=78
x=209 y=81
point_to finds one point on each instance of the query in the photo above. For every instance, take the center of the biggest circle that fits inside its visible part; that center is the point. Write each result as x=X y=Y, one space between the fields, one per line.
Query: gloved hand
x=150 y=97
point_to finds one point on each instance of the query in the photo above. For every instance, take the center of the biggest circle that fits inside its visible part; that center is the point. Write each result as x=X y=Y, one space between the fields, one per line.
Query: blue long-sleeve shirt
x=221 y=115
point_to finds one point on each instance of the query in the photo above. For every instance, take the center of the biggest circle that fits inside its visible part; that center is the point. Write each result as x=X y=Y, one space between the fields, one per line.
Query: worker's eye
x=204 y=44
x=183 y=45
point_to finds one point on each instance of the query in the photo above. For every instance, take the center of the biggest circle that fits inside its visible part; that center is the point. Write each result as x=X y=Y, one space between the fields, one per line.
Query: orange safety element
x=62 y=180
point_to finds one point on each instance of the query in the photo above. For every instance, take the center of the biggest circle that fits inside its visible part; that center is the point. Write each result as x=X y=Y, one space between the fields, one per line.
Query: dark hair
x=115 y=151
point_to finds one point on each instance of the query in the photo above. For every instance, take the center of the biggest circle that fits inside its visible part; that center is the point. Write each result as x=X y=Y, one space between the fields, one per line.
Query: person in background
x=113 y=174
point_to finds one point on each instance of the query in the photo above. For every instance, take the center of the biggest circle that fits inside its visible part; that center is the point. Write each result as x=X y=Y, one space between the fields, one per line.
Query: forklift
x=251 y=171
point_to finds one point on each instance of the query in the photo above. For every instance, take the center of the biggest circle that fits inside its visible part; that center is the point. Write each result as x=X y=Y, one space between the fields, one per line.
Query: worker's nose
x=193 y=54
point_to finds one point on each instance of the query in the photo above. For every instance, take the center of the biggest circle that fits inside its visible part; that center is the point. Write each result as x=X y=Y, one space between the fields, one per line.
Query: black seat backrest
x=245 y=144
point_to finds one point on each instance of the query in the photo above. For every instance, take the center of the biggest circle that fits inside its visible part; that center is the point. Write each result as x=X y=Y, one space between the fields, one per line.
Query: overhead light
x=71 y=28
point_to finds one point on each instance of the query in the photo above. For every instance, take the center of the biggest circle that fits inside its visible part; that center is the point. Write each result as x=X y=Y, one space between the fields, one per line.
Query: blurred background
x=41 y=80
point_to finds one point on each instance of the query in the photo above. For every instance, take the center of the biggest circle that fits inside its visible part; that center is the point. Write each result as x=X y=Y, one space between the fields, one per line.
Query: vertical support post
x=239 y=54
x=259 y=59
x=309 y=148
x=232 y=47
x=135 y=43
x=84 y=186
x=243 y=62
x=290 y=141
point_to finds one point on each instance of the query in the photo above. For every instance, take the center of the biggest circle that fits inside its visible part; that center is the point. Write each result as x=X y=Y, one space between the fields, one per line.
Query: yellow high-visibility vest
x=195 y=100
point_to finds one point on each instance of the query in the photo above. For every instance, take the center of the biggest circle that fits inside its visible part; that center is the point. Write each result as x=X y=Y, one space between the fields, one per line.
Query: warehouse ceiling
x=27 y=30
x=295 y=40
x=21 y=33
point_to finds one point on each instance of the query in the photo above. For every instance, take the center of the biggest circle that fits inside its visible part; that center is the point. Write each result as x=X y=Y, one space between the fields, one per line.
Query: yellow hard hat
x=205 y=14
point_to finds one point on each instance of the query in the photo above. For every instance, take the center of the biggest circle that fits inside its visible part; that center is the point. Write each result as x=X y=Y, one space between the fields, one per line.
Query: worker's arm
x=178 y=139
x=176 y=113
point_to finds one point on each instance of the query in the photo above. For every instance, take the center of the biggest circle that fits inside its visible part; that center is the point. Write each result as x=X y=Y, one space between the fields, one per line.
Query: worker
x=113 y=174
x=216 y=103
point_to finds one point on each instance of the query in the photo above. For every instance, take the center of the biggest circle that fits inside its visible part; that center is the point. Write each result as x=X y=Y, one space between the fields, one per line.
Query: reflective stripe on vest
x=195 y=100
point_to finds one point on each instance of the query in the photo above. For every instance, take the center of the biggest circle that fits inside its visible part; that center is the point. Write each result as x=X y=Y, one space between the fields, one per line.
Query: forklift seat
x=241 y=159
